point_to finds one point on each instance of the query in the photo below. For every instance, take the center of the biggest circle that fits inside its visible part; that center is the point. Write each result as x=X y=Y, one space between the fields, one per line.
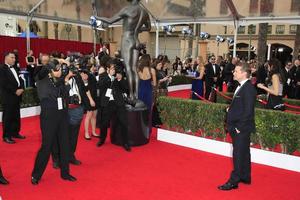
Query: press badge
x=108 y=92
x=59 y=103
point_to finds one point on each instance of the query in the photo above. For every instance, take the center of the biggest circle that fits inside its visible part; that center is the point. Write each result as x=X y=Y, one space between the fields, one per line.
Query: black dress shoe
x=8 y=140
x=19 y=136
x=127 y=147
x=228 y=186
x=69 y=177
x=55 y=165
x=246 y=181
x=100 y=143
x=3 y=181
x=75 y=162
x=34 y=181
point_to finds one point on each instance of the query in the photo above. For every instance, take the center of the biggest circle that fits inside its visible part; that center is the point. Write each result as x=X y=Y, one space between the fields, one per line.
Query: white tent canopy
x=163 y=12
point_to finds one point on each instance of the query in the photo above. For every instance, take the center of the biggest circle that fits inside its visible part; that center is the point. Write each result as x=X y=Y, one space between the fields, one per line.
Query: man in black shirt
x=53 y=92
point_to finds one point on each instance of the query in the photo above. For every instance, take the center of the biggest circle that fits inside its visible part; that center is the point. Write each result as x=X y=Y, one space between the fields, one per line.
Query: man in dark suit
x=240 y=124
x=212 y=74
x=12 y=88
x=288 y=76
x=228 y=73
x=112 y=102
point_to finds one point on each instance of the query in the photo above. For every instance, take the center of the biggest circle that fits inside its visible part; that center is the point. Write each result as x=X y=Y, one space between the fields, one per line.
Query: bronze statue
x=135 y=20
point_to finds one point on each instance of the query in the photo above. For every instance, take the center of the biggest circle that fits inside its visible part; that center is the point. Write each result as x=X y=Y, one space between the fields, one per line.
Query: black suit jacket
x=209 y=74
x=241 y=111
x=9 y=85
x=228 y=72
x=118 y=88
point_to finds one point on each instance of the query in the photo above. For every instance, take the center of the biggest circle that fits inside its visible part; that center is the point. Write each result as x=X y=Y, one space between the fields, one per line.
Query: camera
x=74 y=99
x=65 y=69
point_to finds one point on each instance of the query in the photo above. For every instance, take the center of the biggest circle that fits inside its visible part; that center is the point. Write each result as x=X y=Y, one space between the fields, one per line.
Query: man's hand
x=19 y=92
x=215 y=79
x=237 y=131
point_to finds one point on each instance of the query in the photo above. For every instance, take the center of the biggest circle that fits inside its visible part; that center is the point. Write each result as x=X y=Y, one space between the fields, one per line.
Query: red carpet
x=185 y=94
x=154 y=171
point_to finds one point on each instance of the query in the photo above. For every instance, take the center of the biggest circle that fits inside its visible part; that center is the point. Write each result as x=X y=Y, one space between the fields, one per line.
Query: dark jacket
x=118 y=88
x=9 y=86
x=241 y=111
x=228 y=72
x=49 y=90
x=209 y=73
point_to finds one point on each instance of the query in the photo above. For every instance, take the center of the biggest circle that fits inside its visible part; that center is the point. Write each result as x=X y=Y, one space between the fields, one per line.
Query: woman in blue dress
x=147 y=80
x=197 y=83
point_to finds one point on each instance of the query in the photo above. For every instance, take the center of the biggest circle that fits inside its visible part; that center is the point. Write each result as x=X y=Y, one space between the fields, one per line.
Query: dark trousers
x=241 y=157
x=107 y=114
x=73 y=138
x=297 y=92
x=1 y=175
x=54 y=126
x=11 y=120
x=74 y=121
x=207 y=90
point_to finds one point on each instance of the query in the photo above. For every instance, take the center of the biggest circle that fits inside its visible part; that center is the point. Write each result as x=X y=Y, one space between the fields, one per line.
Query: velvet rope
x=202 y=98
x=223 y=95
x=291 y=106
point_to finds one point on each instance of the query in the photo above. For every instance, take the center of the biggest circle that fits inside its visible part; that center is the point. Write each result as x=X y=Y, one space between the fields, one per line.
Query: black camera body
x=74 y=99
x=65 y=69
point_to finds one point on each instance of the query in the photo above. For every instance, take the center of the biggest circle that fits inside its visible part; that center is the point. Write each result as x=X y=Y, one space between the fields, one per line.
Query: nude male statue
x=135 y=20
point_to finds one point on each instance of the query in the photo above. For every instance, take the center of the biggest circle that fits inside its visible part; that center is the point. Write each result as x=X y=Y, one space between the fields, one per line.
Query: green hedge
x=29 y=98
x=273 y=128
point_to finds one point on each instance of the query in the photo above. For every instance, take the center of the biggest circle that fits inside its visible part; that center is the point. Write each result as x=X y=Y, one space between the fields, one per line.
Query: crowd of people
x=273 y=78
x=69 y=88
x=94 y=88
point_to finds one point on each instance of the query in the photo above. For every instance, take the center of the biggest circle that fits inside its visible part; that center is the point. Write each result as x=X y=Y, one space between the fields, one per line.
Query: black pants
x=11 y=120
x=73 y=132
x=54 y=125
x=107 y=114
x=241 y=157
x=207 y=90
x=297 y=92
x=1 y=175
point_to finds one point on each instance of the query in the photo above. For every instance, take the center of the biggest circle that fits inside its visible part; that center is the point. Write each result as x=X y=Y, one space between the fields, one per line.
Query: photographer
x=53 y=92
x=79 y=97
x=112 y=102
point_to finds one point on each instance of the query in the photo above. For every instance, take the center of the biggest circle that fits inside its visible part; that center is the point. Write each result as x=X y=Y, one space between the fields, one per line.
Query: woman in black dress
x=30 y=61
x=91 y=111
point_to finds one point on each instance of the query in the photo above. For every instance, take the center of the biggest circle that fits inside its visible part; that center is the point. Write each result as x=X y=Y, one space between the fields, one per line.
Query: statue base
x=138 y=126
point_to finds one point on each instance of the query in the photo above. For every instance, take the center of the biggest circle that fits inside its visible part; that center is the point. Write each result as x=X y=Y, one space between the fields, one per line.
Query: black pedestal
x=138 y=127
